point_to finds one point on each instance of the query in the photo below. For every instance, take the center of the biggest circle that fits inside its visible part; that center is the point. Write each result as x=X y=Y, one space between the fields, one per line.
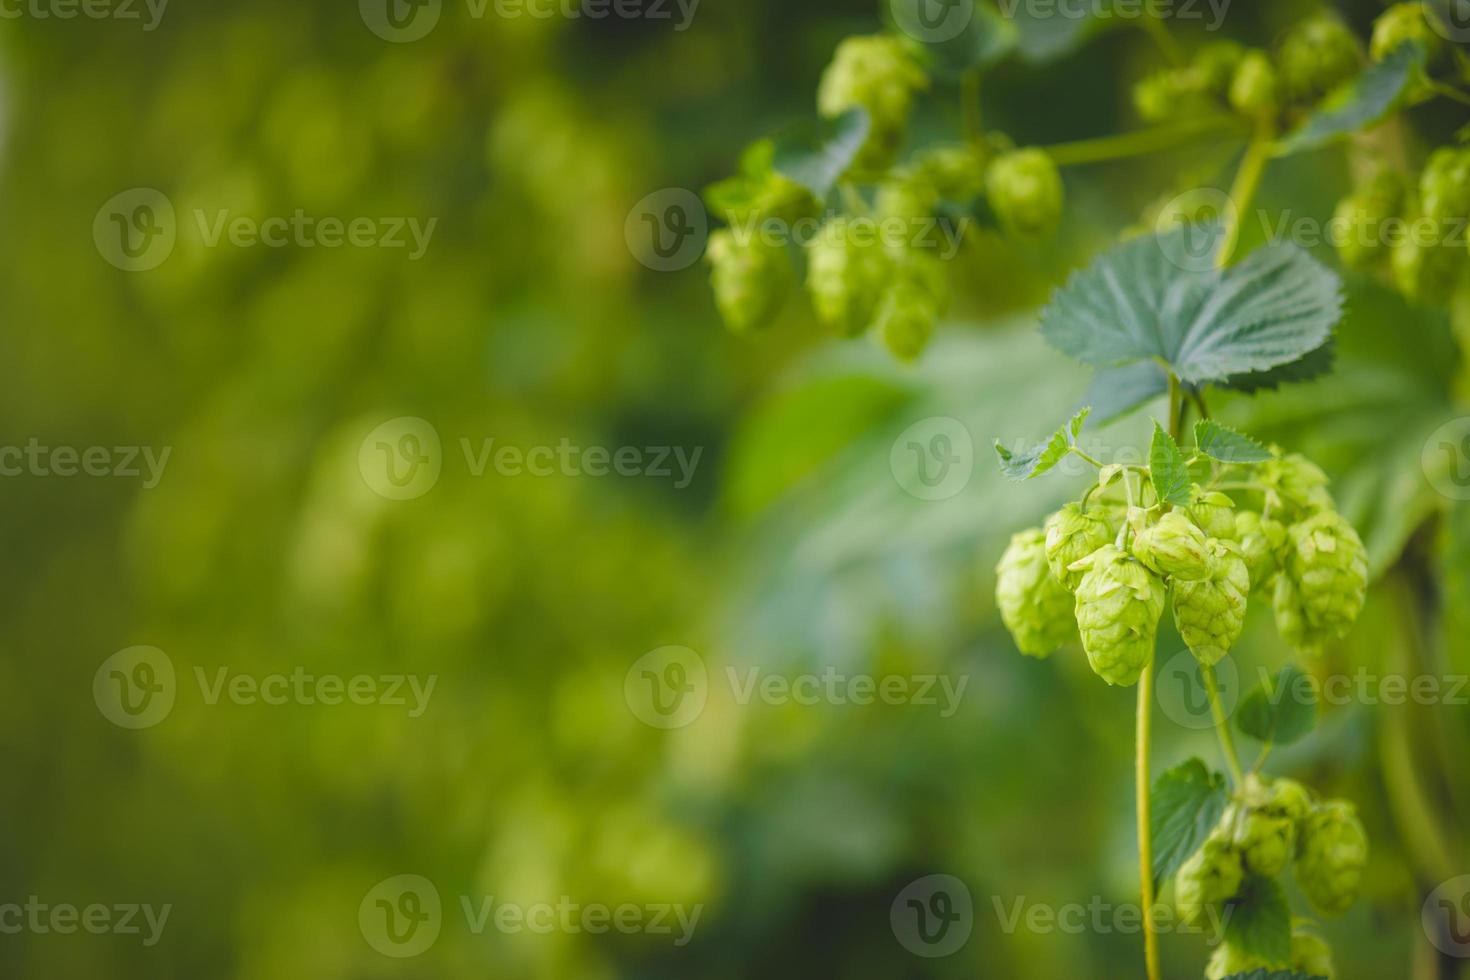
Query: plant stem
x=1222 y=724
x=1243 y=191
x=1139 y=143
x=1145 y=841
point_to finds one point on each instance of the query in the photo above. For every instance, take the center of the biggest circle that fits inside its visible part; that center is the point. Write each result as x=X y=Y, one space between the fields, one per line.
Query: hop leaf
x=1033 y=605
x=1119 y=603
x=1211 y=613
x=1334 y=851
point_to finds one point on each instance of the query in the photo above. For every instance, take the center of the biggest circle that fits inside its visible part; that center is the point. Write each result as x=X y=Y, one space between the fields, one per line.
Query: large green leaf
x=1116 y=391
x=1277 y=710
x=816 y=153
x=1134 y=304
x=1361 y=102
x=1258 y=920
x=1185 y=805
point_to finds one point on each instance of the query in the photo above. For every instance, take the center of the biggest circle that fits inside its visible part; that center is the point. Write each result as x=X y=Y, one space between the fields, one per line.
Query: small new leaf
x=1185 y=805
x=1167 y=468
x=1281 y=710
x=1220 y=442
x=1025 y=464
x=1258 y=920
x=815 y=154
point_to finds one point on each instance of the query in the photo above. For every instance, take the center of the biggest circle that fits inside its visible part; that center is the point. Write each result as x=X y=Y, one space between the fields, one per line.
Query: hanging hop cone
x=1328 y=564
x=1334 y=851
x=1210 y=613
x=877 y=73
x=1033 y=605
x=1026 y=193
x=1210 y=877
x=1214 y=513
x=846 y=273
x=1261 y=541
x=1175 y=547
x=1072 y=535
x=1119 y=603
x=750 y=280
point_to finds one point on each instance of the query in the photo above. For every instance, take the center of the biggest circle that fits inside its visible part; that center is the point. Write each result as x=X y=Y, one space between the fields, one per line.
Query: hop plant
x=1261 y=541
x=1025 y=192
x=846 y=272
x=1119 y=603
x=1210 y=877
x=1328 y=566
x=1033 y=605
x=1316 y=56
x=1294 y=485
x=1214 y=512
x=1175 y=547
x=957 y=173
x=751 y=279
x=1264 y=825
x=1210 y=613
x=1334 y=851
x=1310 y=956
x=1072 y=535
x=912 y=303
x=1362 y=215
x=879 y=74
x=1254 y=88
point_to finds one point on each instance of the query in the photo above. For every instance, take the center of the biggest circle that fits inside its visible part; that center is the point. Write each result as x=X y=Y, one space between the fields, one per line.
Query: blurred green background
x=795 y=548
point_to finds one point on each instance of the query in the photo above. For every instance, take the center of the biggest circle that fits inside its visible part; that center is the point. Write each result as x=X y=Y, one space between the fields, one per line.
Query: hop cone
x=1119 y=603
x=1295 y=484
x=1329 y=566
x=846 y=272
x=911 y=305
x=1334 y=850
x=1212 y=875
x=1072 y=535
x=1265 y=825
x=956 y=172
x=1175 y=547
x=876 y=73
x=750 y=280
x=1210 y=613
x=1316 y=57
x=1025 y=192
x=1362 y=216
x=1033 y=605
x=1260 y=542
x=1214 y=513
x=1253 y=90
x=1310 y=955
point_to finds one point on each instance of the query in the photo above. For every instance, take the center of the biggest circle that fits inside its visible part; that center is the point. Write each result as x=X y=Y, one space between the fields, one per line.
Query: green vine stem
x=1222 y=724
x=1145 y=842
x=1136 y=144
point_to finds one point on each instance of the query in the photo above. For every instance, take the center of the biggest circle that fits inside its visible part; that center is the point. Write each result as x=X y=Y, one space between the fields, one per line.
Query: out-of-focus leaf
x=1311 y=365
x=1274 y=712
x=1360 y=103
x=986 y=38
x=1184 y=806
x=1258 y=920
x=815 y=153
x=1115 y=392
x=1045 y=34
x=1223 y=443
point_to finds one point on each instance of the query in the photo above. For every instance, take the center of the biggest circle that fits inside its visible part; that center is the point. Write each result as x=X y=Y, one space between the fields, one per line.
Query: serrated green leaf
x=1281 y=710
x=1184 y=806
x=1023 y=465
x=1309 y=367
x=1134 y=304
x=1258 y=920
x=1115 y=392
x=1220 y=442
x=1360 y=103
x=816 y=154
x=1167 y=468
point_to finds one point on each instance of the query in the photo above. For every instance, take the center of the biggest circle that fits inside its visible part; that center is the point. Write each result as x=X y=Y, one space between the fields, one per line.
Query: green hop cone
x=911 y=305
x=1426 y=270
x=1210 y=613
x=1329 y=566
x=1310 y=956
x=1119 y=603
x=1264 y=824
x=759 y=193
x=1401 y=24
x=1214 y=513
x=1318 y=55
x=1291 y=618
x=906 y=196
x=1361 y=217
x=1209 y=878
x=1072 y=535
x=956 y=172
x=877 y=73
x=1033 y=605
x=1261 y=541
x=1175 y=547
x=1026 y=193
x=1294 y=485
x=750 y=280
x=1334 y=851
x=847 y=270
x=1213 y=67
x=1254 y=89
x=1166 y=95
